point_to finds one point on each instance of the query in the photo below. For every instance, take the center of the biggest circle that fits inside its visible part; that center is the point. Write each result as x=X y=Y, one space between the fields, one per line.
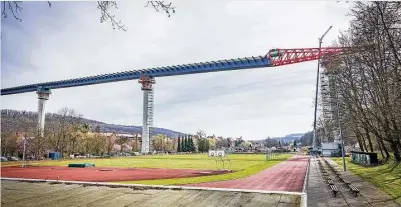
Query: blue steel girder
x=205 y=67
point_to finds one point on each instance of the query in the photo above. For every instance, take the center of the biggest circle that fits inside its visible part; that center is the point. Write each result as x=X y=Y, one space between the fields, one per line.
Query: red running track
x=289 y=175
x=97 y=174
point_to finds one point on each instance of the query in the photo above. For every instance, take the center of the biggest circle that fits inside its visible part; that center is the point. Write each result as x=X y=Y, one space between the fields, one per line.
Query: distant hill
x=295 y=135
x=16 y=117
x=130 y=129
x=289 y=138
x=307 y=139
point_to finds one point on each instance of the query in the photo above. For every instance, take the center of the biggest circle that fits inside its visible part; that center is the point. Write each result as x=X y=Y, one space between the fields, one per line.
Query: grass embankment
x=243 y=165
x=386 y=177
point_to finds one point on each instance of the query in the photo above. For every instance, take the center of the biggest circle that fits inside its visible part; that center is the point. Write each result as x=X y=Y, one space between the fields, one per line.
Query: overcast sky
x=67 y=41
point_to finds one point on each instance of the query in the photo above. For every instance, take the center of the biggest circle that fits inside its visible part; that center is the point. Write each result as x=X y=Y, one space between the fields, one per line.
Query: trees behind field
x=65 y=132
x=365 y=86
x=222 y=143
x=162 y=143
x=186 y=144
x=238 y=142
x=15 y=124
x=69 y=133
x=245 y=145
x=203 y=145
x=179 y=144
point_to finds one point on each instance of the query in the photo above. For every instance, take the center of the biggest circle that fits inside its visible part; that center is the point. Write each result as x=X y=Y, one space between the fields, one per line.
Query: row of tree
x=271 y=142
x=65 y=132
x=185 y=144
x=364 y=90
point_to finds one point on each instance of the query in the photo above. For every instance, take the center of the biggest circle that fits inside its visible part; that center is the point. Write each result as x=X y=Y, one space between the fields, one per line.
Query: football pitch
x=242 y=165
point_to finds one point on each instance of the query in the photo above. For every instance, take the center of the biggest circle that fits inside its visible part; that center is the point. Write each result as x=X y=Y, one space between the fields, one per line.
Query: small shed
x=364 y=158
x=54 y=155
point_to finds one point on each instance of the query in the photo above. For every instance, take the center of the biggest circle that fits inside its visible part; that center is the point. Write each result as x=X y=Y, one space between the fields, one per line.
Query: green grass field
x=243 y=165
x=386 y=177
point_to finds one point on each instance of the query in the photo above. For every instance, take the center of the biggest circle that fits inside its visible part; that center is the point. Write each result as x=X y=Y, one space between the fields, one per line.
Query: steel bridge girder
x=205 y=67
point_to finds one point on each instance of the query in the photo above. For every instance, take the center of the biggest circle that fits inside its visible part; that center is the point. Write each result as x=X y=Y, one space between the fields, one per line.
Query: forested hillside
x=20 y=120
x=66 y=132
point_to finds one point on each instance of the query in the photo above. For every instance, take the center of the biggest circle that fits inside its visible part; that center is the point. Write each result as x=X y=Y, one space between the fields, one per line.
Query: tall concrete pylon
x=148 y=105
x=43 y=96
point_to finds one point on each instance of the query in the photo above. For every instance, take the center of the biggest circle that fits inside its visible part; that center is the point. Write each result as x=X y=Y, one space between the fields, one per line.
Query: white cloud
x=68 y=41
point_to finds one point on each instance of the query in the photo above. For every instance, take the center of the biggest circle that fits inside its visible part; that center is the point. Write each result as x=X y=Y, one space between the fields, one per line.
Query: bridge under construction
x=146 y=77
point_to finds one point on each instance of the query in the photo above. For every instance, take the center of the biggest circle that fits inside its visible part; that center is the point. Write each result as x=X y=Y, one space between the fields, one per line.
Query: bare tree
x=15 y=126
x=160 y=142
x=121 y=141
x=368 y=83
x=110 y=141
x=13 y=6
x=201 y=133
x=220 y=143
x=160 y=5
x=64 y=130
x=105 y=7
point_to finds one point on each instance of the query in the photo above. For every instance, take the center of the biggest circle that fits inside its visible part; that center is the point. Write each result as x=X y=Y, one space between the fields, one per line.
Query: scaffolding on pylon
x=148 y=110
x=328 y=92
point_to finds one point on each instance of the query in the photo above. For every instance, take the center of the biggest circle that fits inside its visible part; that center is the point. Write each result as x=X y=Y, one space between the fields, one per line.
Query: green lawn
x=387 y=177
x=243 y=165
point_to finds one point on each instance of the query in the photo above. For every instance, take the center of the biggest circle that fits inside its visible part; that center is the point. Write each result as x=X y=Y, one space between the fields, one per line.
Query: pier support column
x=148 y=104
x=43 y=96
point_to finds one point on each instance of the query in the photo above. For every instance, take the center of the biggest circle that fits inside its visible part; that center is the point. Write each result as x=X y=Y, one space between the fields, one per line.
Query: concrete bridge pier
x=148 y=107
x=43 y=96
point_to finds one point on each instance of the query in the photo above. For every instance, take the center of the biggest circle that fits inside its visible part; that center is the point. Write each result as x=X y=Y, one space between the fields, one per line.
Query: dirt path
x=286 y=176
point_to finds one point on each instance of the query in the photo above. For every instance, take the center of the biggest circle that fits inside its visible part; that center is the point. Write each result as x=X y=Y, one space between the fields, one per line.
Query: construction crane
x=274 y=58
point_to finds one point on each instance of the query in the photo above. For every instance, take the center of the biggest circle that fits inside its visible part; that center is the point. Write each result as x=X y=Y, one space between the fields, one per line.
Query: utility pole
x=23 y=154
x=317 y=87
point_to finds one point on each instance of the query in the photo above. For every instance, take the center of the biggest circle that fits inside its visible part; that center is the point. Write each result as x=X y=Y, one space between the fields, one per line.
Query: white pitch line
x=155 y=186
x=304 y=197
